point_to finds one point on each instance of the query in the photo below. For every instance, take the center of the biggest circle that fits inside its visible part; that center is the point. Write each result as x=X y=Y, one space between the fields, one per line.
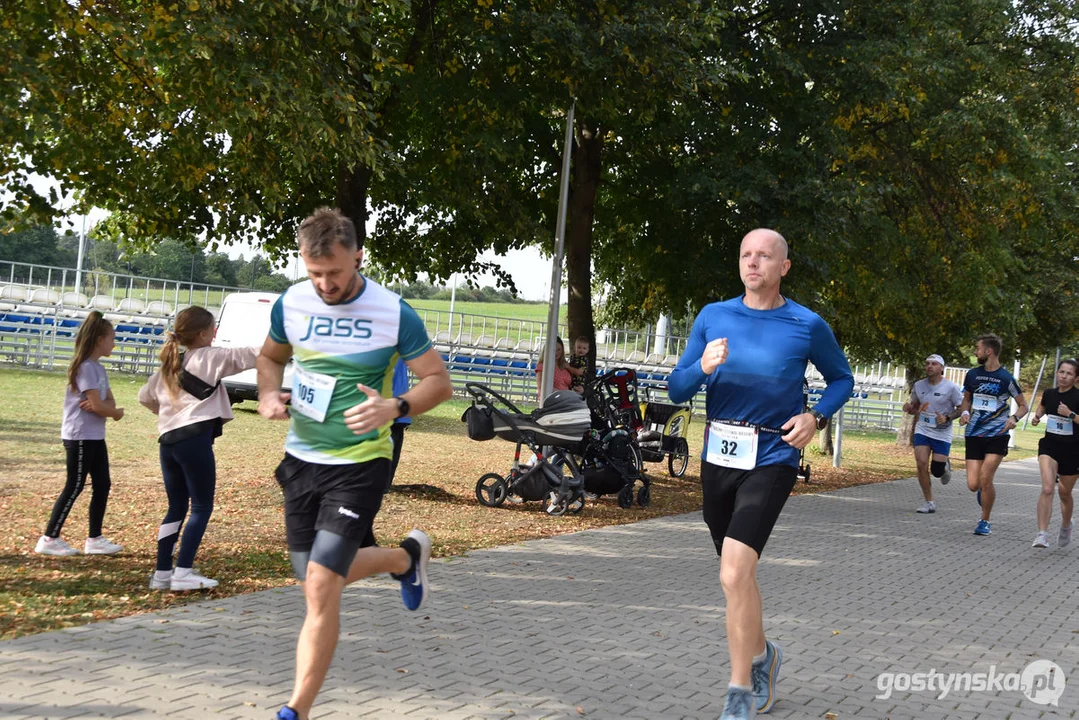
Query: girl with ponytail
x=88 y=400
x=191 y=406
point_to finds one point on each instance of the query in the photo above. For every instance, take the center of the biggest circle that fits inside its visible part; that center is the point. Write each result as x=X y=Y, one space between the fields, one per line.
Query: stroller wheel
x=625 y=496
x=644 y=496
x=491 y=490
x=576 y=505
x=679 y=458
x=556 y=506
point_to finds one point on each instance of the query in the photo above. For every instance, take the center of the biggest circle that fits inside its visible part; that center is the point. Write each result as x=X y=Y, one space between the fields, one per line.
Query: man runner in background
x=346 y=333
x=933 y=402
x=986 y=392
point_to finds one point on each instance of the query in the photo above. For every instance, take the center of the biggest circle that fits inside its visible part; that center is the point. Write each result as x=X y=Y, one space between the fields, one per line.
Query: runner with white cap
x=934 y=402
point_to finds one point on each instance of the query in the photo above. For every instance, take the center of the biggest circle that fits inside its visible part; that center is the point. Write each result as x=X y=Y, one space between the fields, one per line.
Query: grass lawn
x=244 y=546
x=536 y=312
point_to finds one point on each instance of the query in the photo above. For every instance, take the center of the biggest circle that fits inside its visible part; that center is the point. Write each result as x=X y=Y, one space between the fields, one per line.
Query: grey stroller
x=553 y=433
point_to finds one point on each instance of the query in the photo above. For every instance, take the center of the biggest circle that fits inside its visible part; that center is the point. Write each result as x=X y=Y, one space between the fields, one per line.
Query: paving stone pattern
x=623 y=622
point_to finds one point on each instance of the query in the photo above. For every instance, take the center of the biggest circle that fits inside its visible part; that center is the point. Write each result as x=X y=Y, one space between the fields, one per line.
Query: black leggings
x=84 y=457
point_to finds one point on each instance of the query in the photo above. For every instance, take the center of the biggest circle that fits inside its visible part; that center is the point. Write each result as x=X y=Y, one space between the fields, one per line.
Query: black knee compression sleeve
x=299 y=562
x=937 y=468
x=334 y=551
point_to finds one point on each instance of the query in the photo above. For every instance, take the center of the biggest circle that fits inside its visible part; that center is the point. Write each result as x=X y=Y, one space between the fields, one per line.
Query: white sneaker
x=929 y=507
x=1065 y=536
x=1041 y=540
x=514 y=499
x=54 y=546
x=159 y=583
x=101 y=545
x=947 y=476
x=190 y=580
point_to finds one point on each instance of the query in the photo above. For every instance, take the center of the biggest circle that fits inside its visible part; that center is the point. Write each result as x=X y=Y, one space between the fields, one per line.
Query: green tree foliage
x=215 y=119
x=39 y=245
x=919 y=156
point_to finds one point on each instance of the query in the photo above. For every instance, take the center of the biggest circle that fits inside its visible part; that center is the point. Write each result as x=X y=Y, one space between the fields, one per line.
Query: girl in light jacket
x=191 y=406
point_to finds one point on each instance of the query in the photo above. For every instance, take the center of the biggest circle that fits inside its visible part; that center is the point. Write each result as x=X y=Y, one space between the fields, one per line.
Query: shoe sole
x=179 y=587
x=926 y=512
x=945 y=478
x=773 y=676
x=73 y=553
x=102 y=552
x=421 y=564
x=1039 y=546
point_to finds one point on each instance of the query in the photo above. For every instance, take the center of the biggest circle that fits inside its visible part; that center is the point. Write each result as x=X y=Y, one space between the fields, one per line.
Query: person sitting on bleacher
x=562 y=375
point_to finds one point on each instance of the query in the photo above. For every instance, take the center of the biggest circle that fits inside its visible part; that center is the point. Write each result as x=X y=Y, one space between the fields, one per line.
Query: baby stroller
x=554 y=433
x=611 y=461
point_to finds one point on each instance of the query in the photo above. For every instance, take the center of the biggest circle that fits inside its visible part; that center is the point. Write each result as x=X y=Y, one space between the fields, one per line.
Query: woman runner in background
x=1058 y=453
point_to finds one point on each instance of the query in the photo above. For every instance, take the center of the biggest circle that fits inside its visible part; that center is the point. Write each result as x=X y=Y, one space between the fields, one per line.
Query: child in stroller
x=554 y=433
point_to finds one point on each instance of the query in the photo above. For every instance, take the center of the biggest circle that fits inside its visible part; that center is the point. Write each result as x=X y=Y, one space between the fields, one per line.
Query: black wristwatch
x=1072 y=416
x=403 y=407
x=821 y=420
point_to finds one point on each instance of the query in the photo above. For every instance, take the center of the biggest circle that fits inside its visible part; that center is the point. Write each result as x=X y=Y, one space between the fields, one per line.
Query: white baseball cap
x=936 y=359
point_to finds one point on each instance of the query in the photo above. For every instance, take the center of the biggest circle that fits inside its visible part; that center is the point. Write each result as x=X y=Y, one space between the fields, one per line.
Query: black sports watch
x=403 y=407
x=821 y=420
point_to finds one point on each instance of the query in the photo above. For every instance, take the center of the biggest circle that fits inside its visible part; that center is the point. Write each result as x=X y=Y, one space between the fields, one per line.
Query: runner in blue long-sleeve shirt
x=751 y=353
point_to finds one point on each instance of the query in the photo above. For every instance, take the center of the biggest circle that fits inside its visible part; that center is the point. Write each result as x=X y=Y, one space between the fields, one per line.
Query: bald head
x=764 y=235
x=762 y=263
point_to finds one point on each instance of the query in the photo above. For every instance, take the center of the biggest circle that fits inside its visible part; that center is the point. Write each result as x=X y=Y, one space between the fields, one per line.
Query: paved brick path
x=625 y=622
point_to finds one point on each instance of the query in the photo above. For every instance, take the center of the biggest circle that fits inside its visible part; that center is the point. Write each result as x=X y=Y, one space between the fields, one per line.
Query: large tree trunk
x=581 y=212
x=354 y=185
x=824 y=439
x=905 y=434
x=352 y=188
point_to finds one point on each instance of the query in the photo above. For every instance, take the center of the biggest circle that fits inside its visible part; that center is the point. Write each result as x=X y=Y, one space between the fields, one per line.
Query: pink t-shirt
x=562 y=377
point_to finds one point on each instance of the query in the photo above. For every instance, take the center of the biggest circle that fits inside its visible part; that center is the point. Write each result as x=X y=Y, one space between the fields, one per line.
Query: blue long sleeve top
x=761 y=381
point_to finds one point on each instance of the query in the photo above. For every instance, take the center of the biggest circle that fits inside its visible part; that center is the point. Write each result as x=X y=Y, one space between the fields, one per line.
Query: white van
x=245 y=322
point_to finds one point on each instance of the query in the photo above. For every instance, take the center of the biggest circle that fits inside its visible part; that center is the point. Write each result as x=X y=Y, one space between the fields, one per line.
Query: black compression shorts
x=342 y=499
x=745 y=504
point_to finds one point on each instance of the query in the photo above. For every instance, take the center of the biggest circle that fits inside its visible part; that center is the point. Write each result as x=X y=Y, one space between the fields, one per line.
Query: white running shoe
x=101 y=545
x=928 y=507
x=54 y=546
x=190 y=580
x=159 y=583
x=947 y=476
x=1041 y=540
x=1065 y=536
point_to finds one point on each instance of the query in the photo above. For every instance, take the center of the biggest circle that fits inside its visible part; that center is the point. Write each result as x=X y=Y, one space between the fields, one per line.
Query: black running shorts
x=979 y=447
x=1065 y=453
x=745 y=504
x=342 y=499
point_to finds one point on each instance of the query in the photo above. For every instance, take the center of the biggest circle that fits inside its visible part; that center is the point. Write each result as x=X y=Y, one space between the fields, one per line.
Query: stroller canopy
x=564 y=419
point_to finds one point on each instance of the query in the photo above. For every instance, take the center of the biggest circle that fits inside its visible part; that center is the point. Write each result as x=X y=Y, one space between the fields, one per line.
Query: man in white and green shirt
x=345 y=333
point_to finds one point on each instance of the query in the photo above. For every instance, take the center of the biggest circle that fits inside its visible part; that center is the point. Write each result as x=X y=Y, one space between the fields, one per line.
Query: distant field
x=536 y=312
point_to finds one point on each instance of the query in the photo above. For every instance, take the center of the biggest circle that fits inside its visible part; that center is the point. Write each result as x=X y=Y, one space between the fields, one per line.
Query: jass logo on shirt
x=322 y=326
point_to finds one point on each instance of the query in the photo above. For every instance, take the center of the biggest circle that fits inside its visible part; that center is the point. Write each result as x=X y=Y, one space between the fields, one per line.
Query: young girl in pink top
x=191 y=406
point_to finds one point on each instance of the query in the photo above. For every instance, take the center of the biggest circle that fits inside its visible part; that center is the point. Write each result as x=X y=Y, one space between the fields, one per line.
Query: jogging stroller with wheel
x=554 y=433
x=611 y=460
